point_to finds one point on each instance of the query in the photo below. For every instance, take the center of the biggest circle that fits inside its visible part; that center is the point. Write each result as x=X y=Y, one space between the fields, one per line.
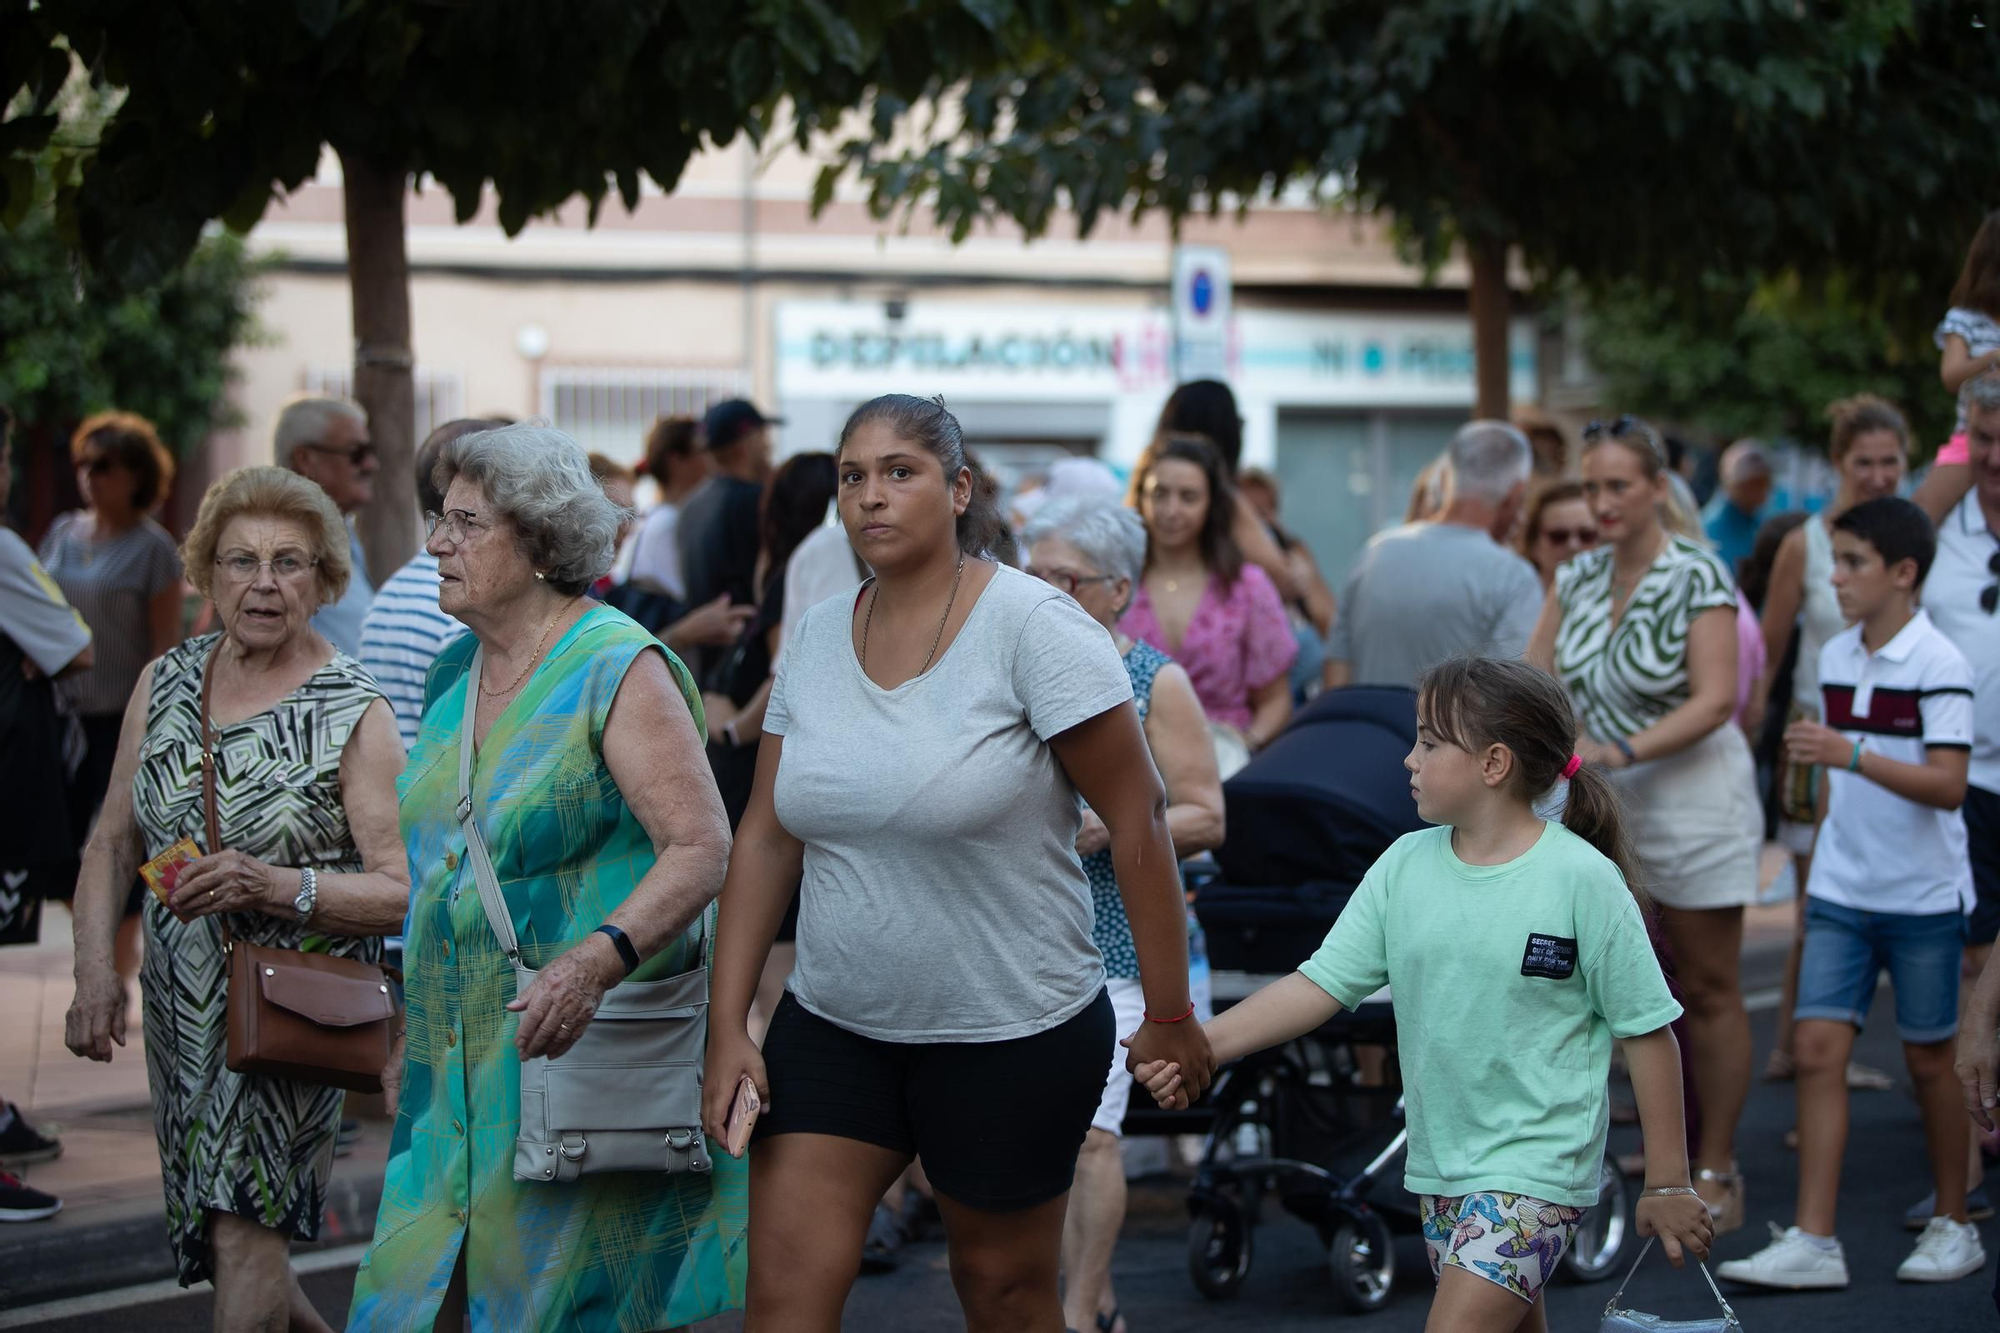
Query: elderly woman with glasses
x=608 y=843
x=1095 y=550
x=305 y=758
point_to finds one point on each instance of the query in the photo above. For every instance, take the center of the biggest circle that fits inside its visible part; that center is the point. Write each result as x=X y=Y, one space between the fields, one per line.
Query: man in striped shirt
x=404 y=631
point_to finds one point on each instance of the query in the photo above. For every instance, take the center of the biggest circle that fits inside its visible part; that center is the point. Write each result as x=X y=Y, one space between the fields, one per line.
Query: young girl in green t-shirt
x=1516 y=952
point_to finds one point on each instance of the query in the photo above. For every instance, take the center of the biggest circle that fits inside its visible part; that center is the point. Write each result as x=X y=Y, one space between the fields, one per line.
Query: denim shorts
x=1846 y=951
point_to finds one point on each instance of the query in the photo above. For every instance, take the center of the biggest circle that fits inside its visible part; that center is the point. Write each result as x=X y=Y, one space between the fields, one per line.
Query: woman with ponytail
x=1517 y=953
x=925 y=745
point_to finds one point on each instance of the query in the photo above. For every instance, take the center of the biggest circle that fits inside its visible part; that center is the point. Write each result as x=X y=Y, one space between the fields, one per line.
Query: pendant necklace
x=936 y=639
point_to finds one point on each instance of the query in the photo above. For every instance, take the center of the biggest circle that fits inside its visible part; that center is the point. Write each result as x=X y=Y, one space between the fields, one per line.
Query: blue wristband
x=625 y=949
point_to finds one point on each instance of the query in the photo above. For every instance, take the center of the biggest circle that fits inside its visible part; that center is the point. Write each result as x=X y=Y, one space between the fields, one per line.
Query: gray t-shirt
x=1426 y=592
x=943 y=897
x=339 y=623
x=112 y=585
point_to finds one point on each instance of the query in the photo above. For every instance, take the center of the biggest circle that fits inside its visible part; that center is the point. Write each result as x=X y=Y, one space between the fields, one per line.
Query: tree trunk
x=378 y=281
x=1490 y=352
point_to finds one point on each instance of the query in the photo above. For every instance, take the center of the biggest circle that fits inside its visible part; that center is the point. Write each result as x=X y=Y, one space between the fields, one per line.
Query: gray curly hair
x=539 y=478
x=1109 y=535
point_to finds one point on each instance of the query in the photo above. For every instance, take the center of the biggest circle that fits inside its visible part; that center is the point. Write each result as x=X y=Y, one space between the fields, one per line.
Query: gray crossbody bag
x=627 y=1096
x=1617 y=1320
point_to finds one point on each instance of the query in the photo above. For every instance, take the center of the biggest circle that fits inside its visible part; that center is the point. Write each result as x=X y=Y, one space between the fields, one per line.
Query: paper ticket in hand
x=164 y=871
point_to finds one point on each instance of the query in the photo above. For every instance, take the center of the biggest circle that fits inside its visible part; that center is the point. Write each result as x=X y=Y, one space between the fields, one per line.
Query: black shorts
x=1982 y=843
x=997 y=1124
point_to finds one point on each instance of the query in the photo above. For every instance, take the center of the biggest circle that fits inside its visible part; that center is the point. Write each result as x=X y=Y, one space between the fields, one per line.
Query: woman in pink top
x=1200 y=603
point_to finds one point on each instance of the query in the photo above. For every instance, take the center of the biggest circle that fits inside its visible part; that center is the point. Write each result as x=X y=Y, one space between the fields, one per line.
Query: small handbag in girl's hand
x=1631 y=1321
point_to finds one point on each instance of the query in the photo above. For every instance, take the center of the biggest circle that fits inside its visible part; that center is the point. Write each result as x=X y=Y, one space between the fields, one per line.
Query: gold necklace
x=543 y=643
x=936 y=639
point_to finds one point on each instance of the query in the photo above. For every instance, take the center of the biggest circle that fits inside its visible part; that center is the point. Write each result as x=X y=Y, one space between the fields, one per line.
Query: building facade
x=1351 y=371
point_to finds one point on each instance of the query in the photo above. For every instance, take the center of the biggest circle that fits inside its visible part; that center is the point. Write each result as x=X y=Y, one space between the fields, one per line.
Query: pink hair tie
x=1569 y=769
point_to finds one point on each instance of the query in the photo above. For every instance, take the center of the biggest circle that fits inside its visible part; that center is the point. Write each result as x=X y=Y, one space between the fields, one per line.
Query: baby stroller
x=1318 y=1123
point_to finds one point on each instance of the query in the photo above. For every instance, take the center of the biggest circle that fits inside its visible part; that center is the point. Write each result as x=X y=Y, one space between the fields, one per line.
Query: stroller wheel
x=1219 y=1247
x=1362 y=1259
x=1602 y=1238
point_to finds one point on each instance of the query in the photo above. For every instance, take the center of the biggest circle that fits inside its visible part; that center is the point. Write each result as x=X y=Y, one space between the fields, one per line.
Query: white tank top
x=1819 y=613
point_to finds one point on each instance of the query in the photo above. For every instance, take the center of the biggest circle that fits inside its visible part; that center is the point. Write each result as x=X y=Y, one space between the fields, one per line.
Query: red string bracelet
x=1183 y=1018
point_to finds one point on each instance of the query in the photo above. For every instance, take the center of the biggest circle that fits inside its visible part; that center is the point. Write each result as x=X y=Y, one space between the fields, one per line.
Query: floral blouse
x=1238 y=641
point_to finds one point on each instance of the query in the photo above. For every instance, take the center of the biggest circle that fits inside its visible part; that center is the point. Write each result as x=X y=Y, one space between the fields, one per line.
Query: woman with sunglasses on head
x=118 y=568
x=1557 y=526
x=1642 y=631
x=925 y=747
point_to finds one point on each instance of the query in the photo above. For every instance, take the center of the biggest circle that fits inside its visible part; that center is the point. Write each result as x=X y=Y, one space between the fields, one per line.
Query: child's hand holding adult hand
x=1163 y=1082
x=1681 y=1221
x=1182 y=1044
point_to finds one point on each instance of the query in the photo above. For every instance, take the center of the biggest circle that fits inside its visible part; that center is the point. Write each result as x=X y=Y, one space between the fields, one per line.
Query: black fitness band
x=625 y=949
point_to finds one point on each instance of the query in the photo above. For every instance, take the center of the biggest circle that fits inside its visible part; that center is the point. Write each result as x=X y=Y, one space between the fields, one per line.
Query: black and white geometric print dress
x=257 y=1147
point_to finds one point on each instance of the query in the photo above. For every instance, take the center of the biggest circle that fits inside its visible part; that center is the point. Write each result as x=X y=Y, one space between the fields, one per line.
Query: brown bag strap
x=209 y=816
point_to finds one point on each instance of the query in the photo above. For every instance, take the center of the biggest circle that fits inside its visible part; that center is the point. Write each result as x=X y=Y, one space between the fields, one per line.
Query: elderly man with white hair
x=325 y=440
x=1436 y=589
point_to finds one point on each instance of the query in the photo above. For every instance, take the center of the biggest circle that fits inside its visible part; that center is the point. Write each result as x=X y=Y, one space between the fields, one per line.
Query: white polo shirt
x=1966 y=547
x=1878 y=852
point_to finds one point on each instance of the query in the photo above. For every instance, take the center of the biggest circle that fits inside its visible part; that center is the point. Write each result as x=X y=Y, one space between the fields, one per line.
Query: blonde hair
x=269 y=492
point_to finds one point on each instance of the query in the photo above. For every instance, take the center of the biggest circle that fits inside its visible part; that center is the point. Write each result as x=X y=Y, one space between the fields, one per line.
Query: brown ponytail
x=1474 y=702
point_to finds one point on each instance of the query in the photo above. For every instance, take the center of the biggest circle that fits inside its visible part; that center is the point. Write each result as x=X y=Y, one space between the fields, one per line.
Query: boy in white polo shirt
x=1890 y=883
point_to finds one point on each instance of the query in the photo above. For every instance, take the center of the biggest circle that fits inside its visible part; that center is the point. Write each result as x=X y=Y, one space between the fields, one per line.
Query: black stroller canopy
x=1328 y=796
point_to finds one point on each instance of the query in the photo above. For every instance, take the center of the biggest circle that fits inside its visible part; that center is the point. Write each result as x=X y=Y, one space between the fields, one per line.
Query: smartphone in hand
x=742 y=1116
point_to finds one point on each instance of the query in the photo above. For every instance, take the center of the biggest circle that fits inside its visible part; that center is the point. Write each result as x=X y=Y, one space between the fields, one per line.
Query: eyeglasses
x=1989 y=596
x=96 y=465
x=286 y=565
x=456 y=524
x=355 y=454
x=1068 y=580
x=1571 y=536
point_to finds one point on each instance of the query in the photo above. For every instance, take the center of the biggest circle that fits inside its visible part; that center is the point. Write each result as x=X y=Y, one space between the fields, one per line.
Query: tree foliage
x=73 y=342
x=225 y=104
x=1605 y=138
x=1764 y=357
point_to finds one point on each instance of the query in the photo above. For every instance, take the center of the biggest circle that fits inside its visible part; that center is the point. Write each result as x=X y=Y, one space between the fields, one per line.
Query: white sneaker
x=1946 y=1251
x=1792 y=1262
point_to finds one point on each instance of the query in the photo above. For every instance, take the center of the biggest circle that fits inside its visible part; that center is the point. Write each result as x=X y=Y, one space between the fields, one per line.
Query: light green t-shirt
x=1509 y=983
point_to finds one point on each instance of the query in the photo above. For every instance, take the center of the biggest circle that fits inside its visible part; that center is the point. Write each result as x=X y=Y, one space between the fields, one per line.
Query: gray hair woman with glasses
x=608 y=840
x=1095 y=550
x=306 y=759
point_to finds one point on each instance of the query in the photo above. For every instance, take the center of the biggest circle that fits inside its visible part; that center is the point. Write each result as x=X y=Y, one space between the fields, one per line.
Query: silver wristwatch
x=308 y=894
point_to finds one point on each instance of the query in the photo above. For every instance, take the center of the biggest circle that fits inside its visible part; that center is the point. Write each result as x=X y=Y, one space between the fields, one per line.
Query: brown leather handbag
x=305 y=1016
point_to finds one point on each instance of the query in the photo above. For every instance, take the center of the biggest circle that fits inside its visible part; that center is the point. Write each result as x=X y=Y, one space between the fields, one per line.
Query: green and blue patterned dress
x=624 y=1252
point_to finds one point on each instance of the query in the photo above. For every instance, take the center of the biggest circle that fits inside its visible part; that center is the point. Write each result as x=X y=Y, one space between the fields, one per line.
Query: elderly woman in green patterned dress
x=306 y=754
x=594 y=798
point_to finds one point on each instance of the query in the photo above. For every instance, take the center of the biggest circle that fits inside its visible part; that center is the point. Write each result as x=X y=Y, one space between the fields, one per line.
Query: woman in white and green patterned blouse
x=1642 y=631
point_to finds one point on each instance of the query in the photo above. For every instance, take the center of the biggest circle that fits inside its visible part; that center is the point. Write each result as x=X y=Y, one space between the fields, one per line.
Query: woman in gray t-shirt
x=926 y=746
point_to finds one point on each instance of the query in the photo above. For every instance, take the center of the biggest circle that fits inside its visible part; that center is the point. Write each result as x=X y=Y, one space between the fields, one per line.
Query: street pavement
x=1287 y=1291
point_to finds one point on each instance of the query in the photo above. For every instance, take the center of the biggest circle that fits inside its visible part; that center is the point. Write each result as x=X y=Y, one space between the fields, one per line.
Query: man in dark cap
x=718 y=524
